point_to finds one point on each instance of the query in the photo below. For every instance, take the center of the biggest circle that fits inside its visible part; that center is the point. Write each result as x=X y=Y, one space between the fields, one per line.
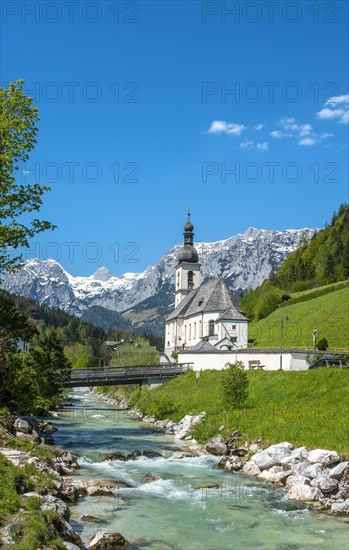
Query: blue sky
x=239 y=109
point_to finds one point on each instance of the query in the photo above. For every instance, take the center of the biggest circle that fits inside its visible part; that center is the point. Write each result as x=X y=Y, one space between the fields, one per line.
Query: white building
x=205 y=315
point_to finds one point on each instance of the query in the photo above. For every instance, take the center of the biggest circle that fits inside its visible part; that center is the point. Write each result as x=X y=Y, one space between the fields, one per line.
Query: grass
x=329 y=314
x=308 y=408
x=15 y=481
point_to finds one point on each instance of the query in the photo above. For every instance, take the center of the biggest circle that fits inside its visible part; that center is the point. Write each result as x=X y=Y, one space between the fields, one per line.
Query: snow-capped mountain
x=244 y=260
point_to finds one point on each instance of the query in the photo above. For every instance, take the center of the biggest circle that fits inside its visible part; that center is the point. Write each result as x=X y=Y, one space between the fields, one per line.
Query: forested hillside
x=321 y=261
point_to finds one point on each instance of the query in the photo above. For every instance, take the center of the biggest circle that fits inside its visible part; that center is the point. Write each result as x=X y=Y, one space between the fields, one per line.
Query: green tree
x=50 y=368
x=234 y=385
x=18 y=118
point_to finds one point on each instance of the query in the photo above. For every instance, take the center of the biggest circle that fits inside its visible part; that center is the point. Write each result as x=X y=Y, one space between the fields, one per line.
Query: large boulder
x=22 y=426
x=251 y=469
x=105 y=540
x=272 y=456
x=49 y=502
x=216 y=446
x=343 y=488
x=299 y=488
x=187 y=425
x=323 y=456
x=340 y=507
x=276 y=474
x=297 y=455
x=325 y=484
x=338 y=471
x=315 y=470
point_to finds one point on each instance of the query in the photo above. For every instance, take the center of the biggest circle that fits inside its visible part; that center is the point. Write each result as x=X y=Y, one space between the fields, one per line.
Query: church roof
x=232 y=314
x=204 y=346
x=212 y=296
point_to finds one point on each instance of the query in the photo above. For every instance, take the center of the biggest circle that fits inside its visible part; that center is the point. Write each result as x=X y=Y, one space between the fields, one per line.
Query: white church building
x=206 y=316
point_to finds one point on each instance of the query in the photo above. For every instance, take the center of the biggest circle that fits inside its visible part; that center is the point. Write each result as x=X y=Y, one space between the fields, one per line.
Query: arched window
x=190 y=280
x=177 y=279
x=211 y=328
x=194 y=336
x=189 y=331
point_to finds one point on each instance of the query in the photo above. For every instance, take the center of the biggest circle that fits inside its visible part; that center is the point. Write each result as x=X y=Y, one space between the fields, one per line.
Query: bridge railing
x=124 y=369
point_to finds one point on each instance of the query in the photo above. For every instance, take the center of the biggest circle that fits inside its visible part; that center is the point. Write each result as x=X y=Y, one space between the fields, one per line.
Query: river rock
x=325 y=484
x=105 y=540
x=323 y=456
x=340 y=507
x=298 y=488
x=238 y=451
x=343 y=488
x=338 y=471
x=314 y=470
x=152 y=454
x=92 y=519
x=18 y=458
x=276 y=474
x=113 y=456
x=133 y=455
x=186 y=425
x=22 y=426
x=70 y=546
x=216 y=446
x=272 y=455
x=298 y=468
x=251 y=468
x=297 y=455
x=64 y=529
x=234 y=463
x=212 y=485
x=49 y=502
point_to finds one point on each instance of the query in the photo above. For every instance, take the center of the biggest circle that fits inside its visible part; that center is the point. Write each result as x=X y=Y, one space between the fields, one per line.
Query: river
x=171 y=511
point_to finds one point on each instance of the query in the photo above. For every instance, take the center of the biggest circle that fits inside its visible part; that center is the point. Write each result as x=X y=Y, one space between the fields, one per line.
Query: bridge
x=118 y=376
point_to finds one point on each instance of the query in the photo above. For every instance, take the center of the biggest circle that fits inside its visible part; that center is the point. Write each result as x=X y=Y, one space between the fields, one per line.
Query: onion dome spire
x=188 y=252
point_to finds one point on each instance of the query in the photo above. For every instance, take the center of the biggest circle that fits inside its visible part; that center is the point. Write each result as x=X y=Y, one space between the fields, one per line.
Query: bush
x=234 y=384
x=322 y=344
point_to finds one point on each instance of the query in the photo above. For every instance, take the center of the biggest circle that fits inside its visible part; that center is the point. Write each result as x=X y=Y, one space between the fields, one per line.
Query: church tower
x=188 y=267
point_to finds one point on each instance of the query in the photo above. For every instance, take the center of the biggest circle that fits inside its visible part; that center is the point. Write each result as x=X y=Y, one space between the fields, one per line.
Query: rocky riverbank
x=317 y=477
x=46 y=487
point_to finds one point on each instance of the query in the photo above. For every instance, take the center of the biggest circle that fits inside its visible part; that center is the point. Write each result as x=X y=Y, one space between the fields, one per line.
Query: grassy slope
x=329 y=314
x=306 y=408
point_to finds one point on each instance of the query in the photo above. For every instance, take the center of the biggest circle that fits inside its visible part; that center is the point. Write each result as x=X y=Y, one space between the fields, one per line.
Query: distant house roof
x=212 y=296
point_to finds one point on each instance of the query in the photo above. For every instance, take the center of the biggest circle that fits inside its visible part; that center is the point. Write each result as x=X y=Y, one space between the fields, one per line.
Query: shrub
x=322 y=344
x=234 y=384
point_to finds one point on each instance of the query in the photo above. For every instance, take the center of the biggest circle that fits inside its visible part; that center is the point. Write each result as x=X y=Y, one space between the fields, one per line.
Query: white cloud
x=221 y=127
x=262 y=146
x=307 y=141
x=326 y=135
x=336 y=108
x=246 y=144
x=277 y=134
x=259 y=126
x=335 y=100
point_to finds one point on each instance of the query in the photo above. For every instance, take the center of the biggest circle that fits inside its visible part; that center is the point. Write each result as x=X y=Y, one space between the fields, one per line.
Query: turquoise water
x=171 y=510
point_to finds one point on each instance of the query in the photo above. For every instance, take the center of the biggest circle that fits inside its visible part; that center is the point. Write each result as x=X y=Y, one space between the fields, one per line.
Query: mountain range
x=141 y=301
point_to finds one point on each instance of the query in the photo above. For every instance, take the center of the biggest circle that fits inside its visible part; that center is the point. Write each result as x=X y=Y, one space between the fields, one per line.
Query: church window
x=211 y=328
x=194 y=330
x=189 y=331
x=190 y=280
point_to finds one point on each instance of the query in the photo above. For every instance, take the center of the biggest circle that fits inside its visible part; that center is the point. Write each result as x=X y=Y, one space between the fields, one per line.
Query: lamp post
x=282 y=319
x=314 y=338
